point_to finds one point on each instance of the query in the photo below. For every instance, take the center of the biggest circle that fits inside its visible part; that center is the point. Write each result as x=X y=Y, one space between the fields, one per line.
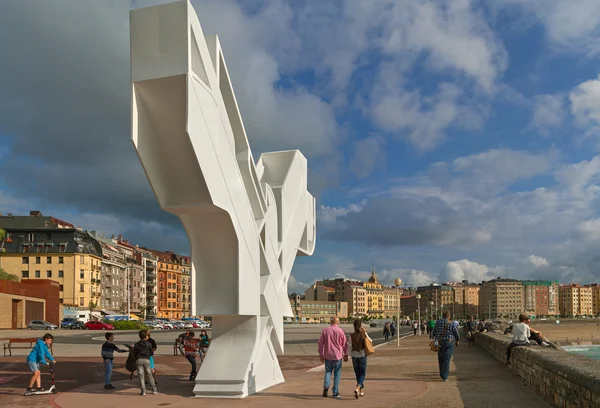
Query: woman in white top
x=356 y=349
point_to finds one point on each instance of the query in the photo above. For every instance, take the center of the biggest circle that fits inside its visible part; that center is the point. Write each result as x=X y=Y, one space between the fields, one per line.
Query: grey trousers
x=143 y=368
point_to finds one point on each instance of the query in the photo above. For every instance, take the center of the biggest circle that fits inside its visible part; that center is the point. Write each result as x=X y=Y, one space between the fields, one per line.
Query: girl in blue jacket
x=38 y=355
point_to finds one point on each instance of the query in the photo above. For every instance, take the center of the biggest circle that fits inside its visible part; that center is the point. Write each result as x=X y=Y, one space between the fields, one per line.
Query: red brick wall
x=37 y=288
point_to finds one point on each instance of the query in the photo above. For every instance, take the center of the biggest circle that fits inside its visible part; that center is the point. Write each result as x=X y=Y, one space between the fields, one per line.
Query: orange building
x=170 y=287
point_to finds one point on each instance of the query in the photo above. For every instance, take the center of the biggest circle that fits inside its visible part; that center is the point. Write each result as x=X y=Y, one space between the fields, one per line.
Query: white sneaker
x=143 y=393
x=155 y=392
x=545 y=344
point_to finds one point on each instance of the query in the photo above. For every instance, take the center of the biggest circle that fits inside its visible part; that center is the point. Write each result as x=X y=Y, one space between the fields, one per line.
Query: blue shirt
x=39 y=353
x=450 y=334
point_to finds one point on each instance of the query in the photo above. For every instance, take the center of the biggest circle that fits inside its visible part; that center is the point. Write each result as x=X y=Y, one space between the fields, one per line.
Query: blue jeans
x=108 y=371
x=444 y=356
x=360 y=370
x=336 y=367
x=192 y=359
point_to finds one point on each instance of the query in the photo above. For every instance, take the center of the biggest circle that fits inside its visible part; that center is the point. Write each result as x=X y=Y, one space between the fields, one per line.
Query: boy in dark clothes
x=108 y=350
x=142 y=351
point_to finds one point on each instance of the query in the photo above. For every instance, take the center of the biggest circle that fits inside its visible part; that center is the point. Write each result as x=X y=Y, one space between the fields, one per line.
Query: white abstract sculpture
x=246 y=222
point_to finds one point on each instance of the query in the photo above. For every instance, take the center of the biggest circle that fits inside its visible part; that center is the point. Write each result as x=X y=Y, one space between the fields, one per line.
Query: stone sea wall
x=564 y=380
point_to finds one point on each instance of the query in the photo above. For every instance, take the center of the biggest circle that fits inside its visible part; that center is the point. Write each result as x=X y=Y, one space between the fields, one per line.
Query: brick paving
x=403 y=376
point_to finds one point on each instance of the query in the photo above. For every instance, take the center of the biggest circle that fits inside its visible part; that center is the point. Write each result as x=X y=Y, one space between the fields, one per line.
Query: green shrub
x=127 y=325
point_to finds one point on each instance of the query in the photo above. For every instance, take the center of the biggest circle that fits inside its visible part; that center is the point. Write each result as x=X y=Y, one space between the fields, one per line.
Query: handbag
x=369 y=349
x=434 y=345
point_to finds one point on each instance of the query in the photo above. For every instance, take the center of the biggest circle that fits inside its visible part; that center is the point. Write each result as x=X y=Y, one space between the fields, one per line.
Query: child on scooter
x=38 y=355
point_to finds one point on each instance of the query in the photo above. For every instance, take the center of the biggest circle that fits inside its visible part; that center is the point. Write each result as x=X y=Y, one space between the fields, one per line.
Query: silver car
x=41 y=325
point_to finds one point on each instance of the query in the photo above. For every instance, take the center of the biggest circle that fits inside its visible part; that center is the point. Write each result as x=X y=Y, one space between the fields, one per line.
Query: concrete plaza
x=403 y=376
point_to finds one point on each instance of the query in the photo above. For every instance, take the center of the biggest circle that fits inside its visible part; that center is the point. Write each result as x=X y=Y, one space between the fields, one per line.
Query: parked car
x=178 y=325
x=187 y=325
x=41 y=325
x=77 y=326
x=167 y=325
x=98 y=325
x=67 y=322
x=153 y=325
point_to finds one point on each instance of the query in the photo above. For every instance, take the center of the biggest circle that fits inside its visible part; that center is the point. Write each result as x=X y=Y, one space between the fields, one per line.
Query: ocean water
x=588 y=351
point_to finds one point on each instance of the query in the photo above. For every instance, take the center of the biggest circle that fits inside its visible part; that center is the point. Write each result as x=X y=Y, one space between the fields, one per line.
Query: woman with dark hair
x=356 y=349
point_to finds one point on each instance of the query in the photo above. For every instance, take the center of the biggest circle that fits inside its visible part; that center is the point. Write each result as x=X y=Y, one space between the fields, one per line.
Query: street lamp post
x=431 y=308
x=419 y=311
x=398 y=282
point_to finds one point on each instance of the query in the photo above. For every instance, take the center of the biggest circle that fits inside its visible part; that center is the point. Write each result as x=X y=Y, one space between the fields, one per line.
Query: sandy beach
x=569 y=330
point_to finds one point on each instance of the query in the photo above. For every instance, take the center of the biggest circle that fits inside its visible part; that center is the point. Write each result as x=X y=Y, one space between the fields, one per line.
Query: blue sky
x=446 y=140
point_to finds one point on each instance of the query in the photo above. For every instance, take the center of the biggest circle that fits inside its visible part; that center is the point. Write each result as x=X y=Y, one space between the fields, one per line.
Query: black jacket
x=142 y=350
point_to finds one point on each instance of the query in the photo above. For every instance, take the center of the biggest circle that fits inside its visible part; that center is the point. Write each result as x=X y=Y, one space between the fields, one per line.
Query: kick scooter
x=51 y=390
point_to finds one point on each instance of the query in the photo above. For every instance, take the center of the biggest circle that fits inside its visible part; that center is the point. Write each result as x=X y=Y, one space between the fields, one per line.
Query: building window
x=81 y=260
x=38 y=260
x=80 y=301
x=37 y=274
x=61 y=259
x=61 y=274
x=81 y=287
x=31 y=237
x=48 y=274
x=25 y=260
x=81 y=274
x=60 y=287
x=24 y=274
x=62 y=248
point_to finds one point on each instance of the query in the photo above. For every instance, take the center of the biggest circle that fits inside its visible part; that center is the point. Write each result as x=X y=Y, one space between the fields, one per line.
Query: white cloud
x=585 y=102
x=537 y=261
x=457 y=271
x=570 y=25
x=295 y=286
x=369 y=153
x=548 y=113
x=327 y=216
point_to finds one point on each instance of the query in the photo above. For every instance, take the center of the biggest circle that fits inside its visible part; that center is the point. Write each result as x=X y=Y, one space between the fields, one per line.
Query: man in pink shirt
x=332 y=348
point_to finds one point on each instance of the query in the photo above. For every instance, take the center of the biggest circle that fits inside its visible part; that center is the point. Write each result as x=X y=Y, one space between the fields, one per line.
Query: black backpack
x=130 y=364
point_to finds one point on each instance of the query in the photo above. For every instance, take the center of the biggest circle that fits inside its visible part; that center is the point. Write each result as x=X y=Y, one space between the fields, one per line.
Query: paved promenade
x=404 y=376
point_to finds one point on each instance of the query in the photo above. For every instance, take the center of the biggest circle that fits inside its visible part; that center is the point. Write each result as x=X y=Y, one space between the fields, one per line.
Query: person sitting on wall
x=520 y=336
x=536 y=335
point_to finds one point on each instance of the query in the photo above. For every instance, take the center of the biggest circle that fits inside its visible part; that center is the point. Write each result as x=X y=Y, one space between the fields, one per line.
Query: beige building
x=318 y=311
x=465 y=300
x=501 y=299
x=41 y=247
x=595 y=298
x=576 y=300
x=541 y=298
x=320 y=292
x=442 y=297
x=390 y=301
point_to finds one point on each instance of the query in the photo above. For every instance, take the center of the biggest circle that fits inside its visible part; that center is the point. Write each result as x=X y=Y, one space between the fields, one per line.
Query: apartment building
x=390 y=301
x=501 y=299
x=374 y=292
x=318 y=311
x=465 y=299
x=42 y=247
x=442 y=297
x=595 y=298
x=409 y=306
x=541 y=298
x=149 y=264
x=114 y=275
x=320 y=293
x=186 y=287
x=135 y=276
x=576 y=300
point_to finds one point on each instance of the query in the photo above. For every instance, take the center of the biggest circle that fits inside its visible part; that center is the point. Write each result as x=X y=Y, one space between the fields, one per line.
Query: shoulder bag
x=434 y=345
x=369 y=349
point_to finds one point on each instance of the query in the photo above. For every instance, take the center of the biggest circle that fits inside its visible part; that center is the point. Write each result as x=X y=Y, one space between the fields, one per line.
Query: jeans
x=108 y=371
x=192 y=359
x=336 y=367
x=143 y=369
x=444 y=356
x=511 y=346
x=360 y=370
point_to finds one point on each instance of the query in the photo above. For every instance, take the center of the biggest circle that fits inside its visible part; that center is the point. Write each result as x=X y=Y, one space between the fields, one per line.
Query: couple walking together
x=334 y=347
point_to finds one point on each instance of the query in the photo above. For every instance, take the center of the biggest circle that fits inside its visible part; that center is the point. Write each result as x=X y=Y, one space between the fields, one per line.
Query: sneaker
x=356 y=393
x=545 y=344
x=143 y=393
x=155 y=392
x=445 y=380
x=337 y=396
x=325 y=391
x=41 y=389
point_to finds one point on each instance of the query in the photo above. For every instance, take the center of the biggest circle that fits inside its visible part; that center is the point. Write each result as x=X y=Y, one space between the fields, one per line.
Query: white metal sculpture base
x=246 y=222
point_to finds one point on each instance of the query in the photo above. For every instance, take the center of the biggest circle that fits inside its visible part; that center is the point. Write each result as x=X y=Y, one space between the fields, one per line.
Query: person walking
x=386 y=331
x=447 y=337
x=471 y=328
x=415 y=327
x=332 y=348
x=356 y=350
x=393 y=328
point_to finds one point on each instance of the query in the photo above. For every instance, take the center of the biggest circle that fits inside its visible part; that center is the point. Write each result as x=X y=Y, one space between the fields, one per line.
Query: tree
x=92 y=306
x=143 y=310
x=8 y=276
x=2 y=236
